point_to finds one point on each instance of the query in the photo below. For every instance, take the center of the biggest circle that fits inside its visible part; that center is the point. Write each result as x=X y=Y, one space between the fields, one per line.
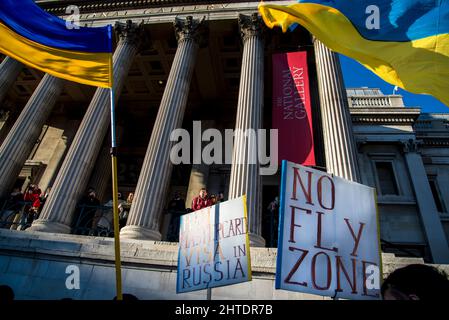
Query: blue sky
x=355 y=75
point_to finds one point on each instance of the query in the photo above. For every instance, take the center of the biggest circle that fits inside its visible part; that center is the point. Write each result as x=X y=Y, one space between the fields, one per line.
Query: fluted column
x=9 y=71
x=73 y=176
x=245 y=178
x=14 y=112
x=101 y=175
x=430 y=218
x=339 y=144
x=199 y=174
x=21 y=139
x=145 y=214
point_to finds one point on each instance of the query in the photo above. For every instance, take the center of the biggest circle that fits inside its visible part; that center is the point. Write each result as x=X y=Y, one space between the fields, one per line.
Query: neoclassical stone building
x=181 y=61
x=403 y=153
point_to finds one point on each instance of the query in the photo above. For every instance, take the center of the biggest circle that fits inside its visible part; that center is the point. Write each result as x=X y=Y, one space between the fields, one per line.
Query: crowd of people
x=24 y=207
x=177 y=208
x=92 y=218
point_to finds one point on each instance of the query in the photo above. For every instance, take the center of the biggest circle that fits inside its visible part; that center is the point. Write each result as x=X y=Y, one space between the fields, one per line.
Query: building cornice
x=384 y=115
x=58 y=6
x=434 y=141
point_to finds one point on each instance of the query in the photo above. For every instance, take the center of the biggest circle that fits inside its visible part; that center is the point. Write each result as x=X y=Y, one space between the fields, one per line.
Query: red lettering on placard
x=356 y=238
x=319 y=232
x=320 y=192
x=307 y=193
x=293 y=222
x=329 y=271
x=296 y=266
x=340 y=266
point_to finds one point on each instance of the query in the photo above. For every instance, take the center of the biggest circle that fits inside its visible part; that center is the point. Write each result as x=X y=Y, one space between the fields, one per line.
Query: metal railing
x=91 y=220
x=98 y=221
x=173 y=227
x=88 y=220
x=17 y=215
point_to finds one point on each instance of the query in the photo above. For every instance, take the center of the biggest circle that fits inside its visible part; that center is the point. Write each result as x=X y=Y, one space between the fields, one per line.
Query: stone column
x=9 y=71
x=245 y=178
x=14 y=112
x=146 y=210
x=199 y=174
x=71 y=181
x=430 y=218
x=339 y=144
x=21 y=139
x=101 y=175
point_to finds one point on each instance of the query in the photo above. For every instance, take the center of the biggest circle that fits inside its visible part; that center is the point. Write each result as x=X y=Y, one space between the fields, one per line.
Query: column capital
x=129 y=32
x=251 y=26
x=411 y=145
x=189 y=28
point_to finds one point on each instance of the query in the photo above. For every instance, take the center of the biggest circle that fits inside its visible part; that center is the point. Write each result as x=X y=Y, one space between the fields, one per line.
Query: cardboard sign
x=328 y=235
x=214 y=247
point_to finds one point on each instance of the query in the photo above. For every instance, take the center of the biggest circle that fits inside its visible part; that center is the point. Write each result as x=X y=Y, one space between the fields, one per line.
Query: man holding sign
x=328 y=235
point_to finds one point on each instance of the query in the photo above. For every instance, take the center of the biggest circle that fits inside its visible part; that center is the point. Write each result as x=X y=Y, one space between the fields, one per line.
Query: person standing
x=176 y=208
x=89 y=204
x=273 y=213
x=124 y=208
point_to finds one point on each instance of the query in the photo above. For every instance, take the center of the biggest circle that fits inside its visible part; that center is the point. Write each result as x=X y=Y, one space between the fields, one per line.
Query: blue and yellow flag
x=405 y=42
x=43 y=41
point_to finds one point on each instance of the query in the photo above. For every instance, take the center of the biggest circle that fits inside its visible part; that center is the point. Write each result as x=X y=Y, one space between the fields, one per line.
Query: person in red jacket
x=202 y=201
x=32 y=194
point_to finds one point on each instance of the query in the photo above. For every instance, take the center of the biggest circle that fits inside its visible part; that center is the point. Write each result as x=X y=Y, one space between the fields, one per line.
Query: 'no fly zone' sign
x=328 y=240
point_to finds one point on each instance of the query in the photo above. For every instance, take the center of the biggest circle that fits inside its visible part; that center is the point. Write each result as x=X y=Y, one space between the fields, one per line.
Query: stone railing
x=369 y=101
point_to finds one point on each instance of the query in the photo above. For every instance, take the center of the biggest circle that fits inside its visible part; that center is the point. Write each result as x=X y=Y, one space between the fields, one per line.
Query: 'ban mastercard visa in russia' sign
x=214 y=247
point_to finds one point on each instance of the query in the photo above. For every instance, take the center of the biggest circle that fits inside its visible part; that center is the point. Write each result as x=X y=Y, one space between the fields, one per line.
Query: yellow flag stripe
x=88 y=68
x=419 y=66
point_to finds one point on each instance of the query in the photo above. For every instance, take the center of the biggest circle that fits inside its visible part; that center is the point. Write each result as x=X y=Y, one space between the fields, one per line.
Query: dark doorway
x=270 y=215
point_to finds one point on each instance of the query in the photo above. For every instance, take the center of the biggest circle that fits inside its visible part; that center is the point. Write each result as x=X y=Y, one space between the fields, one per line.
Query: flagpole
x=118 y=270
x=209 y=294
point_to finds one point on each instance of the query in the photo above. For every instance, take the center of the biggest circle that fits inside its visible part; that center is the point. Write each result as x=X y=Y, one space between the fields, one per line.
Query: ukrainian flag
x=43 y=41
x=405 y=42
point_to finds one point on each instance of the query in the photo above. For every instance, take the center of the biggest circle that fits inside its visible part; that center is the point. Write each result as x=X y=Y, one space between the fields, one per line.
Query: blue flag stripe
x=28 y=20
x=399 y=20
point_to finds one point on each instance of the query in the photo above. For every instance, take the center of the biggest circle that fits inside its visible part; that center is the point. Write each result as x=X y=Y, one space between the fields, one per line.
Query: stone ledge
x=139 y=252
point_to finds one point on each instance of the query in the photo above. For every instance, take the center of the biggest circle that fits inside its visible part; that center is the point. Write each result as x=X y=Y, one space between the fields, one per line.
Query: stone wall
x=34 y=265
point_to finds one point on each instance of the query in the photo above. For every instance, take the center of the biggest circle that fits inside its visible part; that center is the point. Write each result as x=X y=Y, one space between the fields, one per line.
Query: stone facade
x=32 y=261
x=414 y=145
x=206 y=61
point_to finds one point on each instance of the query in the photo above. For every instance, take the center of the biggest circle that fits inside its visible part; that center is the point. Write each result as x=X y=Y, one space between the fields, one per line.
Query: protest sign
x=328 y=235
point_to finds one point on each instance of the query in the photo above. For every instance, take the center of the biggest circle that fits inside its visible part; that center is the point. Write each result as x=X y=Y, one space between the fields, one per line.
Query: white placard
x=214 y=247
x=328 y=235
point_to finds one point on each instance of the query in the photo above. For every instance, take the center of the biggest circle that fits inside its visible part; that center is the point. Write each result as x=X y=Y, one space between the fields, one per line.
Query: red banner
x=292 y=114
